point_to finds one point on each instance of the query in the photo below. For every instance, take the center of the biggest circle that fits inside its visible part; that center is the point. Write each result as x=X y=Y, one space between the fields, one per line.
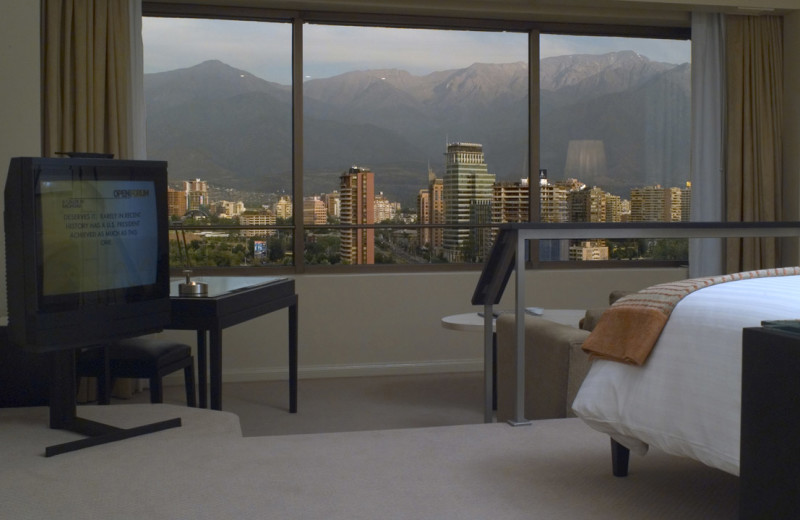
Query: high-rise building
x=430 y=210
x=333 y=204
x=686 y=202
x=613 y=208
x=384 y=208
x=587 y=205
x=357 y=198
x=284 y=207
x=553 y=203
x=510 y=201
x=672 y=205
x=196 y=194
x=176 y=202
x=481 y=238
x=466 y=182
x=657 y=204
x=647 y=204
x=314 y=211
x=424 y=216
x=436 y=211
x=552 y=208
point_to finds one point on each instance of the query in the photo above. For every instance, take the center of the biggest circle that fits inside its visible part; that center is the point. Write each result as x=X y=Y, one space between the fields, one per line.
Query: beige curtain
x=87 y=77
x=754 y=67
x=87 y=92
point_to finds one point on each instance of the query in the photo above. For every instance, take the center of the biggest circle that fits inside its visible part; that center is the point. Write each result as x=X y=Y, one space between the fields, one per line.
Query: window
x=382 y=108
x=220 y=114
x=615 y=140
x=414 y=141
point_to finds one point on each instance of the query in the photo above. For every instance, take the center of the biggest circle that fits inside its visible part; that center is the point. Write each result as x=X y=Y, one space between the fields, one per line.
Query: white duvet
x=686 y=399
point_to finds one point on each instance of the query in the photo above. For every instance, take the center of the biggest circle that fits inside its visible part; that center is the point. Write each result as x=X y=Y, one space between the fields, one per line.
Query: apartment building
x=357 y=199
x=262 y=217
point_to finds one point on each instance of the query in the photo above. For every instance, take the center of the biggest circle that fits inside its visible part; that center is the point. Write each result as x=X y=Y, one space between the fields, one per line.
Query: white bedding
x=686 y=398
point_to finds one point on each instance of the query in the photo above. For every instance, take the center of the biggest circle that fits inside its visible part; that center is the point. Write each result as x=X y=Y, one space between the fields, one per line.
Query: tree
x=671 y=249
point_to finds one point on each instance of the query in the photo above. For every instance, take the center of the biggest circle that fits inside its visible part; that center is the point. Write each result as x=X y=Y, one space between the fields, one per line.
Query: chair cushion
x=157 y=351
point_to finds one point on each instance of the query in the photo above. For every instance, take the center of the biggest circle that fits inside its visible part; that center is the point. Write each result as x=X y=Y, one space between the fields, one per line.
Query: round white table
x=474 y=322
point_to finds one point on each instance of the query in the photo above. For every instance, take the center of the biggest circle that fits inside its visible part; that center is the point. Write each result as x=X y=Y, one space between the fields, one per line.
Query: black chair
x=140 y=358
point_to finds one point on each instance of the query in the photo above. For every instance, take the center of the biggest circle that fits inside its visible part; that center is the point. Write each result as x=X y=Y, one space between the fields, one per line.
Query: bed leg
x=619 y=459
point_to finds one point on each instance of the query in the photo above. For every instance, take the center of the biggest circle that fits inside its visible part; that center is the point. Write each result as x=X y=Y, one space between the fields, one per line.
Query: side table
x=769 y=462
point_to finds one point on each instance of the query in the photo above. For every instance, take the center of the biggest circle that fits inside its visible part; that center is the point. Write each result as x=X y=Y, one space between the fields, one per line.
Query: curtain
x=707 y=161
x=754 y=64
x=136 y=107
x=93 y=94
x=87 y=71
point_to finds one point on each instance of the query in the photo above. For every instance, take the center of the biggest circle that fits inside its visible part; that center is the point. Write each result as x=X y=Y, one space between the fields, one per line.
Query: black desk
x=232 y=300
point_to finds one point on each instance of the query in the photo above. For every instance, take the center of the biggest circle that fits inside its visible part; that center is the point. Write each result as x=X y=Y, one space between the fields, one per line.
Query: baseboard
x=343 y=370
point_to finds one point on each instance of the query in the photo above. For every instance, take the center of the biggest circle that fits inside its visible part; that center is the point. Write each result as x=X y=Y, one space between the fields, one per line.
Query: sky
x=264 y=49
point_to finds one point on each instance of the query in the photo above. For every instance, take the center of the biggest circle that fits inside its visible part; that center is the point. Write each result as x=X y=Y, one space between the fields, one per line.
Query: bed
x=685 y=398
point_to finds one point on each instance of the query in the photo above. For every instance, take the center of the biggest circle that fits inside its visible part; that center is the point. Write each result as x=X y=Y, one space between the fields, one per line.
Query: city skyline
x=475 y=198
x=571 y=185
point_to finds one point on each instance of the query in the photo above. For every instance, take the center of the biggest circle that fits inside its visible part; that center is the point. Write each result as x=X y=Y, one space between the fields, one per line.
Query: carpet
x=557 y=469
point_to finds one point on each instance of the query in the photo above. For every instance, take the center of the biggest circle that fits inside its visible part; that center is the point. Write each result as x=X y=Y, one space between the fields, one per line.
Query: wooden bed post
x=619 y=459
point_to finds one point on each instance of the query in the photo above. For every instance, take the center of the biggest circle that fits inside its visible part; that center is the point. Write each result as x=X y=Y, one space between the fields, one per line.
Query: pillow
x=590 y=319
x=616 y=295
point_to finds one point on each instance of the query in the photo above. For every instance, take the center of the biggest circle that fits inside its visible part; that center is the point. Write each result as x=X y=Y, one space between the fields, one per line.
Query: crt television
x=87 y=257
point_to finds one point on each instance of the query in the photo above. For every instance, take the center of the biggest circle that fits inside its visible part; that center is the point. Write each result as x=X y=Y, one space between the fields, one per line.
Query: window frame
x=532 y=28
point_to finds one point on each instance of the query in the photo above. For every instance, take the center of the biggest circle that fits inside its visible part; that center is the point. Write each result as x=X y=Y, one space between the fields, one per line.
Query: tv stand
x=63 y=411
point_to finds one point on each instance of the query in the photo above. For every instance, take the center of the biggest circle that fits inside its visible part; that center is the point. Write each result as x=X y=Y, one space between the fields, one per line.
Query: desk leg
x=202 y=369
x=293 y=358
x=215 y=367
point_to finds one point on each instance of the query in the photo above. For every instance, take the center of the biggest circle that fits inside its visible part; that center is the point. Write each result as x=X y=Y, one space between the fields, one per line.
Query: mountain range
x=233 y=129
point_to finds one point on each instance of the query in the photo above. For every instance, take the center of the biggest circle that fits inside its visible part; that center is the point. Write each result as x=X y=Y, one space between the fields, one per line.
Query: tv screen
x=97 y=236
x=86 y=250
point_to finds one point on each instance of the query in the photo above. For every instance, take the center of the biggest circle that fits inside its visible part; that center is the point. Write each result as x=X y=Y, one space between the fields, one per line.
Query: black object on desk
x=769 y=464
x=232 y=300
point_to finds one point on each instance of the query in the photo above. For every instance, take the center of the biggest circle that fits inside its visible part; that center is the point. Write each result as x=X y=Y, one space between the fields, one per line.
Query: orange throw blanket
x=629 y=329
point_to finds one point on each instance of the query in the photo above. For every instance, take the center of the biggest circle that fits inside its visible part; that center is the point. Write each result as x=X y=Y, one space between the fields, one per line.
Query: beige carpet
x=556 y=469
x=349 y=404
x=374 y=448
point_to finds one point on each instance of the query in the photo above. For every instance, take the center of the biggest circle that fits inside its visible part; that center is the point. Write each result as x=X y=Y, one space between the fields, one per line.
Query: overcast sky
x=264 y=49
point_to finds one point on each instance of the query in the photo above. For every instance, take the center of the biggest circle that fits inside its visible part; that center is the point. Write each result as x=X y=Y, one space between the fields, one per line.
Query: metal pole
x=519 y=335
x=488 y=362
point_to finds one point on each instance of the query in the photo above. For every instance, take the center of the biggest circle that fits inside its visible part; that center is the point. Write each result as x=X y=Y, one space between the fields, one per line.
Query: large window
x=219 y=110
x=415 y=142
x=381 y=108
x=615 y=141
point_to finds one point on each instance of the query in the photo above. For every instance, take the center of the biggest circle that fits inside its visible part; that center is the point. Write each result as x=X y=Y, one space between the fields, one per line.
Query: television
x=87 y=263
x=87 y=258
